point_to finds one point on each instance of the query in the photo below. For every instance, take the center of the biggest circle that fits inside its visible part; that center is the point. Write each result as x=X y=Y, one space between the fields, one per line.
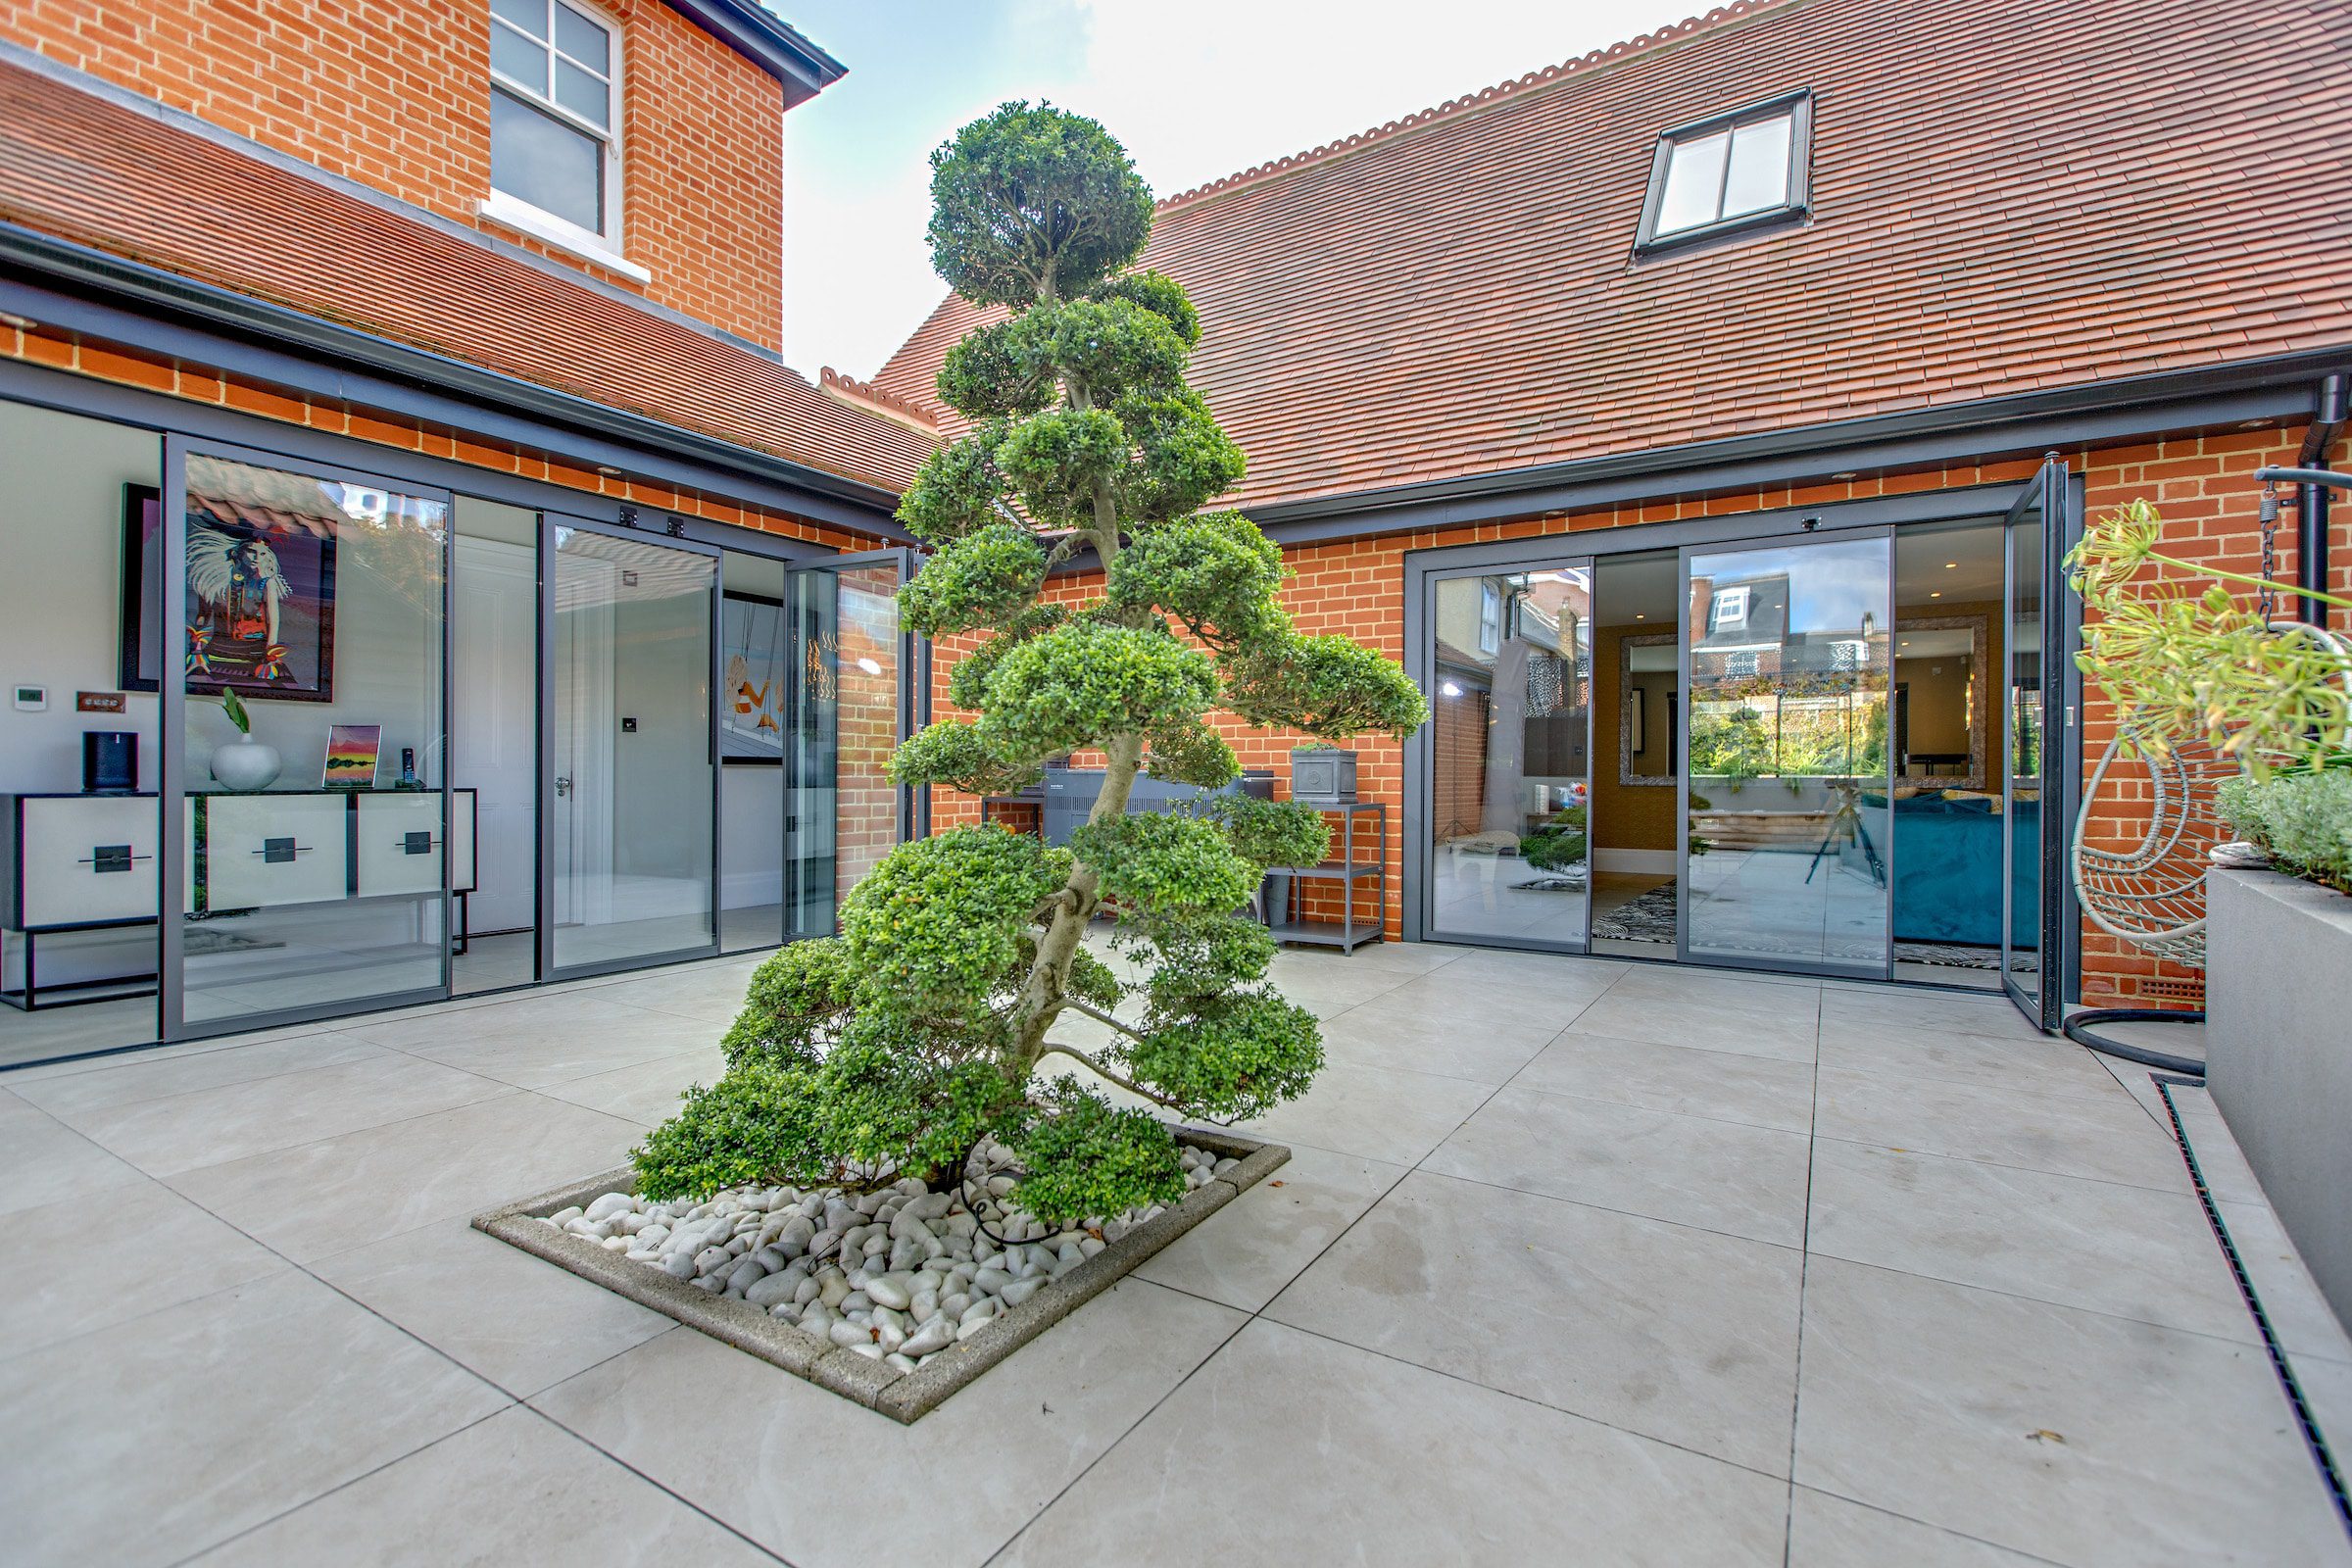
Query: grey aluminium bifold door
x=629 y=809
x=2033 y=730
x=1510 y=826
x=860 y=687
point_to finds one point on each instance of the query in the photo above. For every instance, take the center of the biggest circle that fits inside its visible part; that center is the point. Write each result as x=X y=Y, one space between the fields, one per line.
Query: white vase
x=246 y=764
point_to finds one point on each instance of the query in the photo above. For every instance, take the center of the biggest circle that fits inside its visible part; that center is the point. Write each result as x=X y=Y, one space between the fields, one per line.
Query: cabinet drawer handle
x=417 y=844
x=105 y=857
x=279 y=852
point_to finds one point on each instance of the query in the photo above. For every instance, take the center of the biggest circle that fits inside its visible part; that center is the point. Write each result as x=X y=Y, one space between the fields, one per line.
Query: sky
x=1195 y=91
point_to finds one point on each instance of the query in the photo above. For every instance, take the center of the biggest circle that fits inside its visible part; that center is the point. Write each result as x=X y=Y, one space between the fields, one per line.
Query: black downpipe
x=2311 y=509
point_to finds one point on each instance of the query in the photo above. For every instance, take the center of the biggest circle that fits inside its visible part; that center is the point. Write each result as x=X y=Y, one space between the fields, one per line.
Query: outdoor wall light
x=870 y=666
x=1450 y=689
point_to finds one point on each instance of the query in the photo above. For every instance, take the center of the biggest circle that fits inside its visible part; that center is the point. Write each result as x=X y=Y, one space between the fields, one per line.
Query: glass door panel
x=849 y=711
x=756 y=671
x=1786 y=679
x=1511 y=774
x=313 y=872
x=629 y=834
x=2031 y=828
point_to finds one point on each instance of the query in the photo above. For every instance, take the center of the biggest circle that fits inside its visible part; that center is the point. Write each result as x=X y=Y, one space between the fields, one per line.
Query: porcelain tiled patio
x=1576 y=1263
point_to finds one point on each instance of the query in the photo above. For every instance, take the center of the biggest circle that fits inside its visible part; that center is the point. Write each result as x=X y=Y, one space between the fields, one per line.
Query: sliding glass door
x=854 y=699
x=306 y=812
x=628 y=809
x=2033 y=683
x=1511 y=773
x=1786 y=677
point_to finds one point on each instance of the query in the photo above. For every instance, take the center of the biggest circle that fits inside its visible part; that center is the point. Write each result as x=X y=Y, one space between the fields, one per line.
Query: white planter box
x=2279 y=1054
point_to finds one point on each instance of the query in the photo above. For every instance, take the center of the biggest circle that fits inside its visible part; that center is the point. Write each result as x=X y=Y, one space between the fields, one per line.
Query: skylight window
x=1729 y=173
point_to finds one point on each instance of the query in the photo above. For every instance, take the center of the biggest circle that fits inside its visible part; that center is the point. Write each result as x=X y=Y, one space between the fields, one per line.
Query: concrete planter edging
x=903 y=1396
x=2279 y=1054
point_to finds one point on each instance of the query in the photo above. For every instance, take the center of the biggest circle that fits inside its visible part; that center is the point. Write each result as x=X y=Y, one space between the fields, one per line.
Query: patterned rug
x=1650 y=919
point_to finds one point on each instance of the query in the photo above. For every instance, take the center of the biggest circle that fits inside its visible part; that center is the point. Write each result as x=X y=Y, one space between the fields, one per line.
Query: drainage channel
x=2314 y=1440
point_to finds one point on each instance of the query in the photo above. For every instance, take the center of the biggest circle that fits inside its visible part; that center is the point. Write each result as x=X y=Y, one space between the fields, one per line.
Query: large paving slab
x=1574 y=1262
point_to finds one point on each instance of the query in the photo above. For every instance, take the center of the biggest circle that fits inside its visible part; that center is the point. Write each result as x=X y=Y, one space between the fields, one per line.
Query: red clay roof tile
x=84 y=168
x=2006 y=194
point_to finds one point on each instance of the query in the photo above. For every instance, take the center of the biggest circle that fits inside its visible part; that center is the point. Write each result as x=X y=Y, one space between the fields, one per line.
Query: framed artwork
x=261 y=601
x=351 y=756
x=754 y=662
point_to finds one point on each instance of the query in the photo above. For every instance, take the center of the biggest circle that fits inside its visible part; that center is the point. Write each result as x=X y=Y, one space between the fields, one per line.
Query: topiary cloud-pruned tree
x=893 y=1049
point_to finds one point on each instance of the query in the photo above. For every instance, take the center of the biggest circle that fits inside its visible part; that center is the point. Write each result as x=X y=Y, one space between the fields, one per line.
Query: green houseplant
x=2187 y=666
x=931 y=1022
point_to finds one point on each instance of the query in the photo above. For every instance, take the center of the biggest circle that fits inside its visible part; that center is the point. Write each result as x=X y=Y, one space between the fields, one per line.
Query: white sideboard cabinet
x=81 y=862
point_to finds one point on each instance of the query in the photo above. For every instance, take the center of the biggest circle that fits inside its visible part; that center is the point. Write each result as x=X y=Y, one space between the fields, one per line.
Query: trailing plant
x=2203 y=665
x=932 y=1019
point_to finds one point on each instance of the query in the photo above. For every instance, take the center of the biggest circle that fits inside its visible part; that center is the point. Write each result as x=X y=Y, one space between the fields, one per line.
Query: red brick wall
x=1356 y=588
x=397 y=97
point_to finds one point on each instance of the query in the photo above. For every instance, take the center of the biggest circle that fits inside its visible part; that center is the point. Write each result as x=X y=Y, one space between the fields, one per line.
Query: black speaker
x=110 y=762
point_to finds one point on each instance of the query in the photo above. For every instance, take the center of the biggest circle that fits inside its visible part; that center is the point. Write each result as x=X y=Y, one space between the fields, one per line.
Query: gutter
x=153 y=292
x=768 y=42
x=2249 y=390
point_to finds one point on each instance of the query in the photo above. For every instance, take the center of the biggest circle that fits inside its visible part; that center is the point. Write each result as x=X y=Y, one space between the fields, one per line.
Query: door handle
x=563 y=784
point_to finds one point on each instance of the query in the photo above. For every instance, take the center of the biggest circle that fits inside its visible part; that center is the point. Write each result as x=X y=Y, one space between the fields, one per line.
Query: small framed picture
x=351 y=756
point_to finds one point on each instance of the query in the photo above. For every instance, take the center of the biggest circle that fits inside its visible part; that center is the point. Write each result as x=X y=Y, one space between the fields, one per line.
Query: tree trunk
x=1041 y=999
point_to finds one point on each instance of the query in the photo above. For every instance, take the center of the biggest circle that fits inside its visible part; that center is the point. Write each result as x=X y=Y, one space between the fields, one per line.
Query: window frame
x=1796 y=107
x=518 y=212
x=1490 y=618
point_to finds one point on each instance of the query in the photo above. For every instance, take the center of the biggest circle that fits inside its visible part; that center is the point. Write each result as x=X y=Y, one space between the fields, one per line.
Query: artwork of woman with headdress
x=259 y=613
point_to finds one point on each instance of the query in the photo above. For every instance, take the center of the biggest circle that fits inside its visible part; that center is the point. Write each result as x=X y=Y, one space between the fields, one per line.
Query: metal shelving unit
x=1345 y=933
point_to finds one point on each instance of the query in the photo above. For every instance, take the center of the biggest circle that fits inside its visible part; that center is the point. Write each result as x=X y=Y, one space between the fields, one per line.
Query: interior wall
x=60 y=526
x=1625 y=816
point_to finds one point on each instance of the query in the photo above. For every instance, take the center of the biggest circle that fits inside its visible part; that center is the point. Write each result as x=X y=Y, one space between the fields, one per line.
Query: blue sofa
x=1947 y=865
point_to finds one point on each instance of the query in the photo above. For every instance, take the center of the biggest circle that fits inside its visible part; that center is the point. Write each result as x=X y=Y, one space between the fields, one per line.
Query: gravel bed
x=898 y=1275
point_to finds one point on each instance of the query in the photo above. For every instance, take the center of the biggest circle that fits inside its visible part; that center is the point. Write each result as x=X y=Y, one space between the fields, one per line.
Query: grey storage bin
x=1321 y=776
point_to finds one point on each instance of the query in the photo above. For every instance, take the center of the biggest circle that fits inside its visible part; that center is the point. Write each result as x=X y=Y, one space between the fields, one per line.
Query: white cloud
x=1195 y=91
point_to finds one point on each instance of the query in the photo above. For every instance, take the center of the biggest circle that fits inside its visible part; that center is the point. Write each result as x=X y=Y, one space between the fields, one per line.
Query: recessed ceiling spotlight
x=1850 y=473
x=1950 y=565
x=1639 y=616
x=1450 y=689
x=608 y=470
x=1936 y=593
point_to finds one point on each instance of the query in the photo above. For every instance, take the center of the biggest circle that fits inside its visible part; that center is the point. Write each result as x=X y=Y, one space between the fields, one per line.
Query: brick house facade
x=2018 y=229
x=280 y=238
